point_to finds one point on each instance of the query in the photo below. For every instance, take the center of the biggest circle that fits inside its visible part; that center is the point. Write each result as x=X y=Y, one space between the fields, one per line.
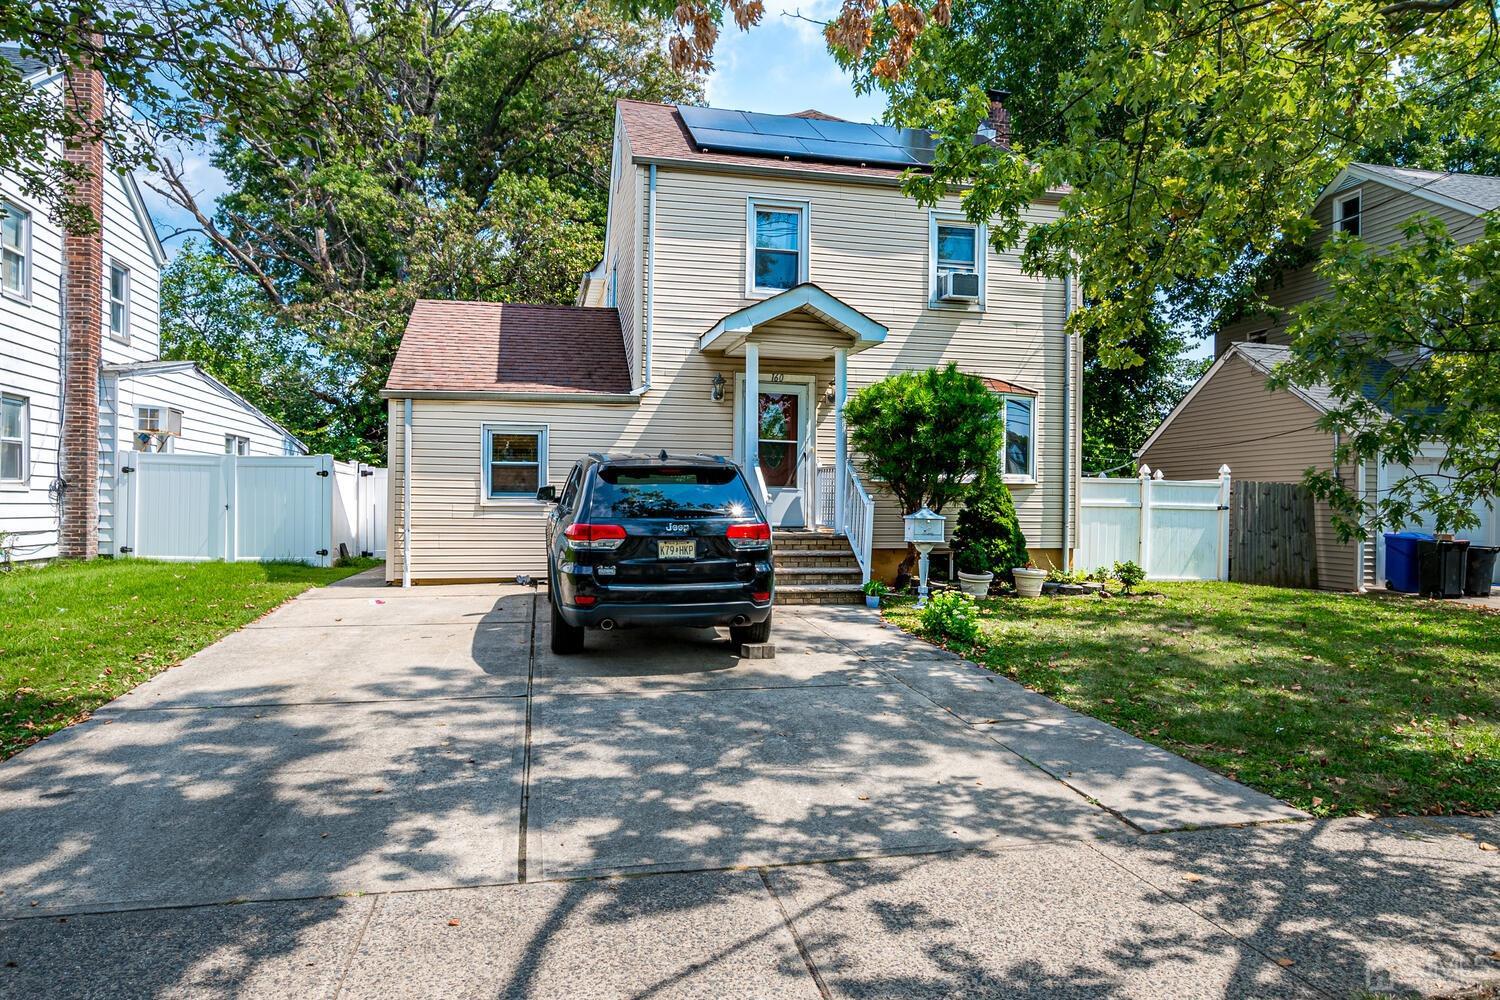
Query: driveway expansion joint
x=802 y=949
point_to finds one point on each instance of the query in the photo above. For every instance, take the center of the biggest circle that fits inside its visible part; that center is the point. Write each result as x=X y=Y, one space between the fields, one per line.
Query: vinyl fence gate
x=1173 y=529
x=197 y=508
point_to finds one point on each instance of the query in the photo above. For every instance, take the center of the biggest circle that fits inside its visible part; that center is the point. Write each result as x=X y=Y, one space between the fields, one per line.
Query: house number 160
x=777 y=377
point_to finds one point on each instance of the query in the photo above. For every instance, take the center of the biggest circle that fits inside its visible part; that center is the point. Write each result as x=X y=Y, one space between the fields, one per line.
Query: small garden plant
x=1130 y=576
x=950 y=615
x=876 y=588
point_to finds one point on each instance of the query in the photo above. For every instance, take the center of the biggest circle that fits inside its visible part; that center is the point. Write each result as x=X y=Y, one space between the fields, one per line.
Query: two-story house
x=81 y=382
x=757 y=270
x=1230 y=417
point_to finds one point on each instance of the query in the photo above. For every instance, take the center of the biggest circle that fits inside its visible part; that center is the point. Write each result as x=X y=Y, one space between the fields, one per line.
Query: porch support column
x=840 y=445
x=751 y=411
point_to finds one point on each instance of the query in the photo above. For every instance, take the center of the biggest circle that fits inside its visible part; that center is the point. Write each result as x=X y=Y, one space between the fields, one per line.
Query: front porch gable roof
x=731 y=332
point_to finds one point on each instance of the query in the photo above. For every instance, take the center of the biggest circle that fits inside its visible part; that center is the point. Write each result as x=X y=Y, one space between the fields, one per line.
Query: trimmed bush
x=988 y=538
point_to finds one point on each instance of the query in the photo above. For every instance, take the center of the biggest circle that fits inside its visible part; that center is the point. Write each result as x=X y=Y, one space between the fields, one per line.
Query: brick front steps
x=815 y=567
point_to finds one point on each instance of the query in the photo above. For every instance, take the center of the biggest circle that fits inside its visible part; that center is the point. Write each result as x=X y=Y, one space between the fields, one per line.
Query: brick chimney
x=83 y=317
x=997 y=125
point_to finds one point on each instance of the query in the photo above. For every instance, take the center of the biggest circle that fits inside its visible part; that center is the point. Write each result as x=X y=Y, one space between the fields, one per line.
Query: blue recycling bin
x=1402 y=567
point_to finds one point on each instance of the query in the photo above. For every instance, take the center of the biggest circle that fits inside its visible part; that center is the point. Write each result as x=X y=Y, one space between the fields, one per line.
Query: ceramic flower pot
x=1029 y=581
x=976 y=584
x=871 y=601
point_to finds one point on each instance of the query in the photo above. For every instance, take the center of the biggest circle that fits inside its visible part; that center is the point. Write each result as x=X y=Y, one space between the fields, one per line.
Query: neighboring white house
x=142 y=403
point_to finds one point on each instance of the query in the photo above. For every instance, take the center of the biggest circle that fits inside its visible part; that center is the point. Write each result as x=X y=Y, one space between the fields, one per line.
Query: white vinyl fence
x=1173 y=529
x=359 y=509
x=196 y=508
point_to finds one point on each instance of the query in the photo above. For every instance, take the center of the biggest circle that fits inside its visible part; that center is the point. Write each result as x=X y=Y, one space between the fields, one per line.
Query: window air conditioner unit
x=958 y=286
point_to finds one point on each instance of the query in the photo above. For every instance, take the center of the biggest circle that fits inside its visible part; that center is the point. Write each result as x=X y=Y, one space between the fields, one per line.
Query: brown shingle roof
x=656 y=131
x=464 y=347
x=1000 y=385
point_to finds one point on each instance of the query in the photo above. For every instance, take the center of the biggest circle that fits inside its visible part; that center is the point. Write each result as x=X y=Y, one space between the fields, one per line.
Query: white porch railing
x=826 y=482
x=859 y=518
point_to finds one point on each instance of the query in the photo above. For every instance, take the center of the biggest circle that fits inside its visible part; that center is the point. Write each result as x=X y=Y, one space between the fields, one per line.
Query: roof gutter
x=515 y=397
x=406 y=495
x=1067 y=517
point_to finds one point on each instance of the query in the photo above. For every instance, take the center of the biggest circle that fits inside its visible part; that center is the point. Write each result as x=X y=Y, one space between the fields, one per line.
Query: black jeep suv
x=657 y=540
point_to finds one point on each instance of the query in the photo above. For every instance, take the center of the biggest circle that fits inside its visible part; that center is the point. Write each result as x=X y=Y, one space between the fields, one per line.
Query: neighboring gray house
x=1230 y=417
x=93 y=300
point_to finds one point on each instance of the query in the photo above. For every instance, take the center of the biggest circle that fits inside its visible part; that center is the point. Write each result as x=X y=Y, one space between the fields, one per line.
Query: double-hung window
x=515 y=461
x=13 y=437
x=778 y=246
x=118 y=301
x=15 y=250
x=1347 y=214
x=955 y=246
x=1020 y=454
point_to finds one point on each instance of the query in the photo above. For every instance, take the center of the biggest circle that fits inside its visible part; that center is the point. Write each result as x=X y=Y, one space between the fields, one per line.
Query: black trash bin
x=1441 y=566
x=1479 y=574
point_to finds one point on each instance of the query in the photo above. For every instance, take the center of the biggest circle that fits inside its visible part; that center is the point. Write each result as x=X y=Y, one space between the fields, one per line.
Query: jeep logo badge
x=678 y=527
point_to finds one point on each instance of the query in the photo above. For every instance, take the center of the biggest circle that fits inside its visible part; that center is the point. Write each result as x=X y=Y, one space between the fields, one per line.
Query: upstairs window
x=1346 y=214
x=13 y=439
x=1020 y=456
x=515 y=459
x=955 y=248
x=15 y=250
x=778 y=260
x=118 y=302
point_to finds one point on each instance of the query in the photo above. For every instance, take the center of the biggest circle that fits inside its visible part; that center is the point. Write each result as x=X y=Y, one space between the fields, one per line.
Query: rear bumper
x=690 y=615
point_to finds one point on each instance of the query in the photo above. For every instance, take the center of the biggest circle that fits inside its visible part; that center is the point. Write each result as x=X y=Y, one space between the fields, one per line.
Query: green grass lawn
x=75 y=635
x=1336 y=703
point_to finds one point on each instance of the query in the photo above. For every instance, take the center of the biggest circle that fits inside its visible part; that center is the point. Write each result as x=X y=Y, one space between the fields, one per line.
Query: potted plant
x=1029 y=580
x=874 y=591
x=974 y=572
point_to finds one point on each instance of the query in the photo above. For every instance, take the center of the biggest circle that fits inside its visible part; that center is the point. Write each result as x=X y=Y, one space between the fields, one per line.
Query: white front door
x=784 y=420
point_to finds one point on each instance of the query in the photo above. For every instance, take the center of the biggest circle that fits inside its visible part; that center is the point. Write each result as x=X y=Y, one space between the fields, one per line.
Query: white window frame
x=123 y=334
x=24 y=482
x=1027 y=478
x=486 y=433
x=804 y=247
x=236 y=444
x=24 y=292
x=981 y=256
x=166 y=434
x=1339 y=218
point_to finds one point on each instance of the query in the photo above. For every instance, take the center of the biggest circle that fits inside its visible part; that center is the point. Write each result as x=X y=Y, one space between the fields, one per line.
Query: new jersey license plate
x=676 y=549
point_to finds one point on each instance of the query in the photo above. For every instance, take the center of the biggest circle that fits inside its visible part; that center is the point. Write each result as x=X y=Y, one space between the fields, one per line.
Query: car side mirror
x=547 y=494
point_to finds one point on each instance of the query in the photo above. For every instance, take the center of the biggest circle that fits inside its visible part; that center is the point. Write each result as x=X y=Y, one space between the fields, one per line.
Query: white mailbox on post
x=924 y=529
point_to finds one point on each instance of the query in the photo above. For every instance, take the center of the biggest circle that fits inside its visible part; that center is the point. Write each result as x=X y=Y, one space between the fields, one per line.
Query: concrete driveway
x=373 y=792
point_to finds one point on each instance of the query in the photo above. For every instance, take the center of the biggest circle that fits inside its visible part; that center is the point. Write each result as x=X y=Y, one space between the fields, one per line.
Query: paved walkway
x=373 y=792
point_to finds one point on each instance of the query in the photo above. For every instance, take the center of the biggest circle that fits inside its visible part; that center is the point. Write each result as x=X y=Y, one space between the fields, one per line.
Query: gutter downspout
x=1067 y=525
x=406 y=495
x=650 y=305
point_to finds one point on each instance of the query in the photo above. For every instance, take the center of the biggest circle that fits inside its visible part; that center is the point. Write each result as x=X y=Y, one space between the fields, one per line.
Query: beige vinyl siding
x=1383 y=211
x=1263 y=436
x=622 y=254
x=868 y=247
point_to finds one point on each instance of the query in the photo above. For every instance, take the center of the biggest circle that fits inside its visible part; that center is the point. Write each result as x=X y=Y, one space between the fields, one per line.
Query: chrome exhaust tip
x=607 y=624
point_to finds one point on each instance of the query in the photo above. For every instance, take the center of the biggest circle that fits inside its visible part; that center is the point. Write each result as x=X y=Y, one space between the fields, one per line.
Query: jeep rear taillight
x=595 y=537
x=750 y=536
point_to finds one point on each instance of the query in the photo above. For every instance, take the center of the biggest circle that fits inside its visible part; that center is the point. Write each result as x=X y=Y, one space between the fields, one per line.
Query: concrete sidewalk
x=375 y=792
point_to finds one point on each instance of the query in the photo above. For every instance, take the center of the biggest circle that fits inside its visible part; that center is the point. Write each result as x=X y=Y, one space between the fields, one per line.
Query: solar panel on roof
x=806 y=138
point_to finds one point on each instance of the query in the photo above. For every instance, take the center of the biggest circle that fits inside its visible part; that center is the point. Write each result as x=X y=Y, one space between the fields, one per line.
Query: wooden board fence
x=1273 y=541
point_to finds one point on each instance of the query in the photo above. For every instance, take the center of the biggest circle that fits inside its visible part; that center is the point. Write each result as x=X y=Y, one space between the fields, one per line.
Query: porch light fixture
x=828 y=395
x=717 y=392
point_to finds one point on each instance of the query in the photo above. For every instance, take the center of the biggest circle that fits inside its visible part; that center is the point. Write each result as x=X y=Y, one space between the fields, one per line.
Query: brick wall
x=83 y=298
